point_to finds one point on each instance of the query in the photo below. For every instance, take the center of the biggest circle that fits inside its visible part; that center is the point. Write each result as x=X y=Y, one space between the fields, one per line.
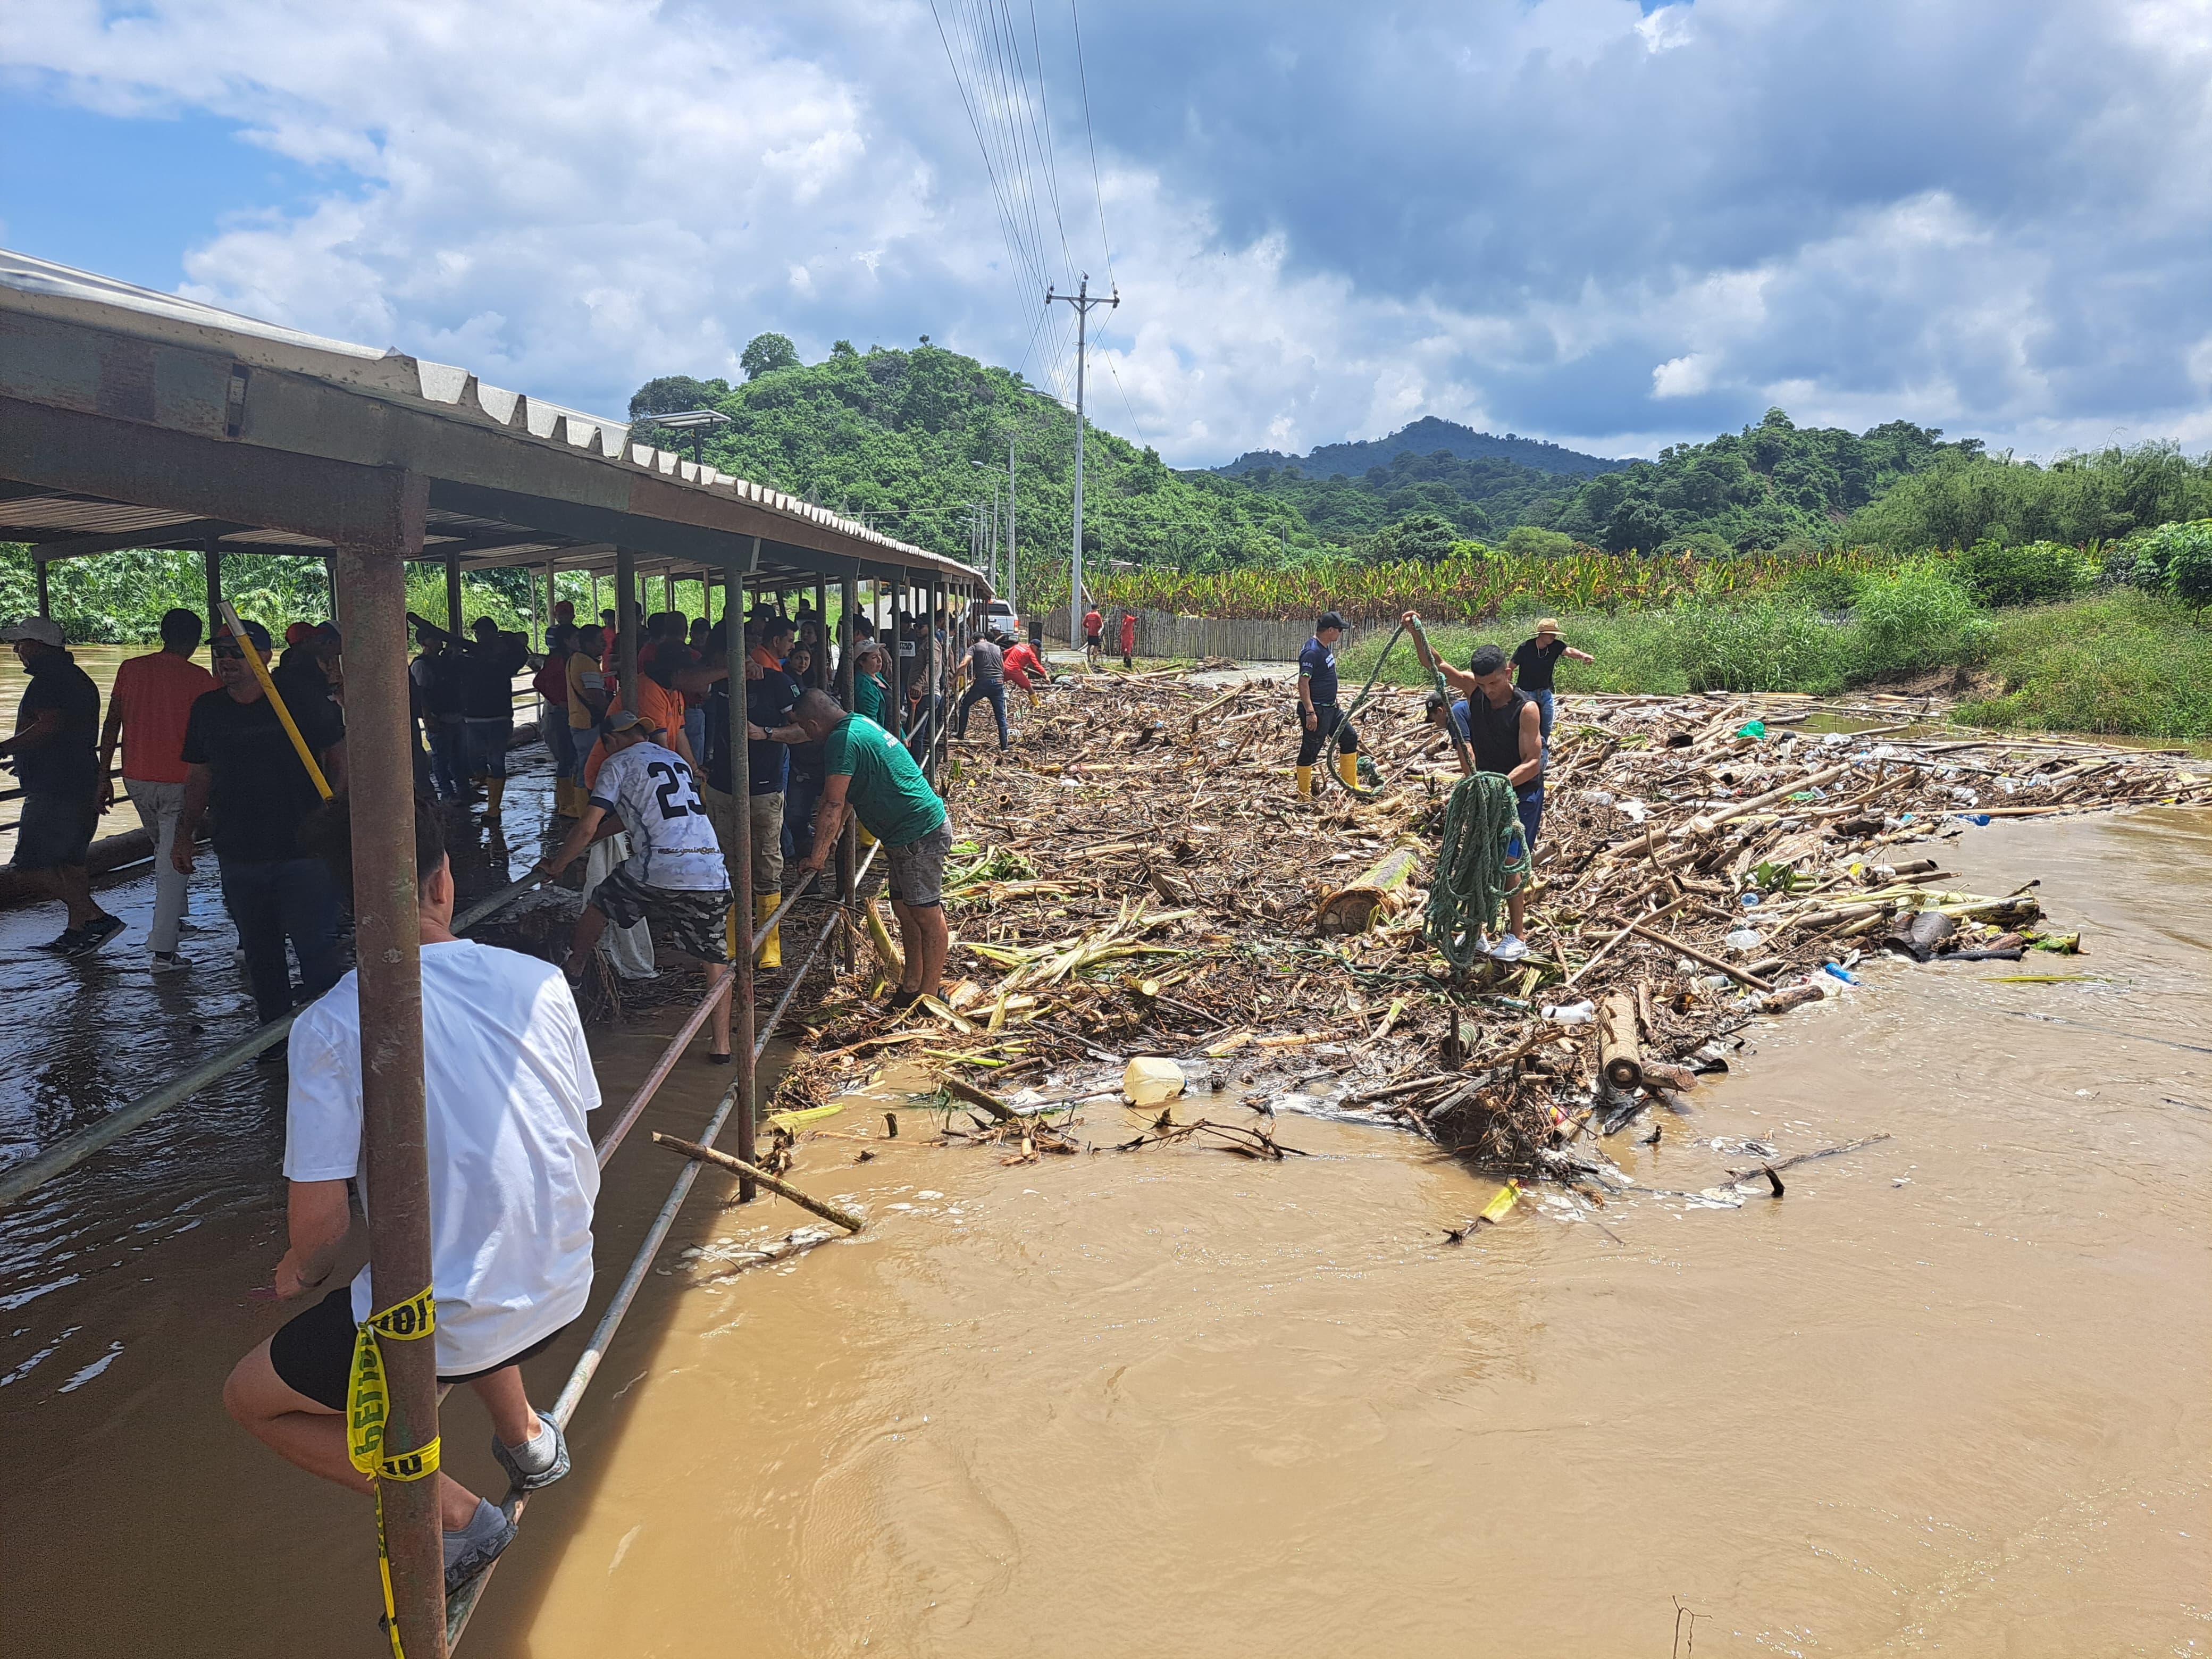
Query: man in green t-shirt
x=867 y=770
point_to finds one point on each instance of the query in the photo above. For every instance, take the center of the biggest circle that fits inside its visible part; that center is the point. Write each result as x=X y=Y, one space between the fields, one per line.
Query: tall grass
x=2123 y=663
x=1476 y=582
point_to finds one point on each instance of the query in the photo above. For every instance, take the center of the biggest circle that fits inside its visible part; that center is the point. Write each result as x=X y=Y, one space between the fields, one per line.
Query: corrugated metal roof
x=37 y=288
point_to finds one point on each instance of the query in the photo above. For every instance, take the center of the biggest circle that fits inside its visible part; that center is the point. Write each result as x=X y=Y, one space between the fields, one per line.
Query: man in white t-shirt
x=507 y=1082
x=674 y=874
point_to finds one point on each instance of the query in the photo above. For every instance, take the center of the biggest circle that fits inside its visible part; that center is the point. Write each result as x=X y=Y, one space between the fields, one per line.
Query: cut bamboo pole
x=1696 y=955
x=1620 y=1050
x=827 y=1211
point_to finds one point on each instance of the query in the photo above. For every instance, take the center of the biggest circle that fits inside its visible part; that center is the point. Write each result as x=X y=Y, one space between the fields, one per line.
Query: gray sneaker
x=525 y=1480
x=477 y=1553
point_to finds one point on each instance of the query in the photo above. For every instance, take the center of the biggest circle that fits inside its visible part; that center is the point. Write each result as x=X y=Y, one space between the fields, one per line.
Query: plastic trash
x=1572 y=1013
x=1751 y=900
x=1834 y=739
x=1745 y=939
x=1634 y=811
x=1597 y=798
x=1981 y=820
x=1843 y=974
x=1151 y=1079
x=1752 y=729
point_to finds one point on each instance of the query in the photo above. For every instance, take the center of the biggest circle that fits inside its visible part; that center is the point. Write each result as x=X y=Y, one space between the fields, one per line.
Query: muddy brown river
x=1948 y=1394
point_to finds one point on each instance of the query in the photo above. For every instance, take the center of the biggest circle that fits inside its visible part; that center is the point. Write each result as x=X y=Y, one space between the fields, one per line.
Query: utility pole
x=1083 y=302
x=1011 y=599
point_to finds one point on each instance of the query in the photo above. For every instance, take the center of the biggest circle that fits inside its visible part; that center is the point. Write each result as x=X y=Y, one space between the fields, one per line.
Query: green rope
x=1475 y=871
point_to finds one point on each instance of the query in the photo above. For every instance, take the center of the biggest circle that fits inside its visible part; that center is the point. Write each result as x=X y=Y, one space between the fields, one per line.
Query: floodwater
x=1947 y=1394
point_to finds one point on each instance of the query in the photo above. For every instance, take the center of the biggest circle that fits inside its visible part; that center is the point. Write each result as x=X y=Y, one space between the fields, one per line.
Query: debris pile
x=1135 y=882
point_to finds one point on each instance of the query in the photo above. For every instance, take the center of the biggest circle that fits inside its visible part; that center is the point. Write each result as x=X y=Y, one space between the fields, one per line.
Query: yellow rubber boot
x=1347 y=768
x=572 y=799
x=1303 y=787
x=771 y=951
x=494 y=793
x=730 y=935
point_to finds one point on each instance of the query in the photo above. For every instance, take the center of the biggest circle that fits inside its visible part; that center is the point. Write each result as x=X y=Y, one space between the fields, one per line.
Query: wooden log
x=960 y=1090
x=1790 y=996
x=1619 y=1050
x=828 y=1211
x=1380 y=887
x=1708 y=822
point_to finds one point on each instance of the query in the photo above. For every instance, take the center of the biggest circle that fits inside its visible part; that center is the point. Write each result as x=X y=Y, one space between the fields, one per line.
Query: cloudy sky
x=1594 y=221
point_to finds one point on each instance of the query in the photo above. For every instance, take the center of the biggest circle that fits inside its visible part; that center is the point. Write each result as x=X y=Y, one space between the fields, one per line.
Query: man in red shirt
x=1129 y=639
x=1094 y=635
x=1022 y=661
x=146 y=713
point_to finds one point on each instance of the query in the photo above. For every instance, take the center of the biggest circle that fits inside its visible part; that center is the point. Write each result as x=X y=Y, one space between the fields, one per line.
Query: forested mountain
x=1426 y=436
x=1769 y=483
x=898 y=436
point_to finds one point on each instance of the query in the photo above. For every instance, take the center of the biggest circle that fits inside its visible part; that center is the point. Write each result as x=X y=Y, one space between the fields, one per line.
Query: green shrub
x=2179 y=557
x=1761 y=645
x=1914 y=618
x=2127 y=663
x=2031 y=573
x=1531 y=541
x=1826 y=586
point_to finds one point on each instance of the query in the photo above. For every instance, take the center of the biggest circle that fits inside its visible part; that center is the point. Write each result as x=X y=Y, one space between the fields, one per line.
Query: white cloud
x=1990 y=216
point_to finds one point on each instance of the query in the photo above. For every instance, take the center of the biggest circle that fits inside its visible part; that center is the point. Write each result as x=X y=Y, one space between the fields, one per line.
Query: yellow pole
x=269 y=690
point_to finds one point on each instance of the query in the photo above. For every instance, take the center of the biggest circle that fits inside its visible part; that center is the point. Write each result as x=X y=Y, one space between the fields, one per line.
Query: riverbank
x=2122 y=664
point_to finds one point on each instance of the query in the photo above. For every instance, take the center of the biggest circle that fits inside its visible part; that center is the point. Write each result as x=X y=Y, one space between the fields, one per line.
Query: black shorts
x=312 y=1353
x=697 y=920
x=55 y=831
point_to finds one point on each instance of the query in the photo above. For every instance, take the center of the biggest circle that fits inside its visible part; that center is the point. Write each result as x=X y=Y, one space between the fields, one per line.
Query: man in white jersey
x=507 y=1084
x=674 y=874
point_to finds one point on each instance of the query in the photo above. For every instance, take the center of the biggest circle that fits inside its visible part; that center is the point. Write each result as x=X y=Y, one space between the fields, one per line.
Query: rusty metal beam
x=373 y=578
x=121 y=461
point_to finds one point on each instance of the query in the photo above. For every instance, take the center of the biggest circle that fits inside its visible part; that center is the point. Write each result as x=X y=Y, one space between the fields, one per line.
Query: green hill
x=896 y=437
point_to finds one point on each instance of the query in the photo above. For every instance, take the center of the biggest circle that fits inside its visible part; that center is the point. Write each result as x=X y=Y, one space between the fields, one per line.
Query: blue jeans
x=488 y=741
x=1543 y=707
x=270 y=899
x=553 y=726
x=801 y=797
x=994 y=692
x=449 y=768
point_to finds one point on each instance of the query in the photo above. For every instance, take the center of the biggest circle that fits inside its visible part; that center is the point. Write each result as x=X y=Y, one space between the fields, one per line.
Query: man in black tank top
x=1505 y=729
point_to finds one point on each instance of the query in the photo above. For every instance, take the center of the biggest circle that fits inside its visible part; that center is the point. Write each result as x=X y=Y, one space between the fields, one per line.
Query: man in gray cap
x=55 y=757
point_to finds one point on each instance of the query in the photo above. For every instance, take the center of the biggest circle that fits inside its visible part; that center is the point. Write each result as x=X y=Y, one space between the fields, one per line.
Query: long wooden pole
x=848 y=839
x=626 y=625
x=371 y=574
x=741 y=879
x=750 y=1176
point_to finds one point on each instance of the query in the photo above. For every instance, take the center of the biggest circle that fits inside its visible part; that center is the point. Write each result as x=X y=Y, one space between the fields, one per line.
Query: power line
x=1007 y=225
x=1097 y=192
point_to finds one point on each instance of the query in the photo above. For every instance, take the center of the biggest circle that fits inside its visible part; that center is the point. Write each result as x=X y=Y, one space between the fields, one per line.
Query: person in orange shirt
x=662 y=705
x=146 y=713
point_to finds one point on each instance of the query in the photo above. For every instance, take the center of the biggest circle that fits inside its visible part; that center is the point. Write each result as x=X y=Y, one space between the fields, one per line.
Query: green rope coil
x=1475 y=871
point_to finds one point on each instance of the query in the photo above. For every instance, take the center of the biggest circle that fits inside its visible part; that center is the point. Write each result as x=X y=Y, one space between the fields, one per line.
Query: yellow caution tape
x=369 y=1408
x=1508 y=1196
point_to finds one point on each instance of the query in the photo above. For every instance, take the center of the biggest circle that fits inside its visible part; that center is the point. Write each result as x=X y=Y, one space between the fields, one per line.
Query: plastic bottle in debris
x=1745 y=939
x=1843 y=974
x=1572 y=1013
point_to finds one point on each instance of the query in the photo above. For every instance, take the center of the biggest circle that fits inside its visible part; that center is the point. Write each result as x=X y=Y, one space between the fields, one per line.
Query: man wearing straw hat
x=1533 y=662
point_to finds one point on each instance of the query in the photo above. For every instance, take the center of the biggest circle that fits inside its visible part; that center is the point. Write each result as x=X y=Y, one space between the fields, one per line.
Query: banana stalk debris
x=1136 y=879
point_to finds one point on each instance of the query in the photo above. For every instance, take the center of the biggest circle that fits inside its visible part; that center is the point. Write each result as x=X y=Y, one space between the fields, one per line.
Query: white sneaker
x=1509 y=949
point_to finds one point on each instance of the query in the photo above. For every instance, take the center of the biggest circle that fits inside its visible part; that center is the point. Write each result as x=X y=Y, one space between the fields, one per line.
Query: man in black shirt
x=434 y=683
x=1319 y=718
x=241 y=761
x=57 y=762
x=1533 y=662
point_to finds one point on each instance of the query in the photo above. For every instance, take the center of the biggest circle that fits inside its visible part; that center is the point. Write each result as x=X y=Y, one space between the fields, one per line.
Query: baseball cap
x=43 y=629
x=298 y=631
x=626 y=720
x=254 y=631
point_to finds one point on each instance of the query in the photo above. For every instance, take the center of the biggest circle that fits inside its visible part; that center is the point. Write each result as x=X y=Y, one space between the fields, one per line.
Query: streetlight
x=696 y=422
